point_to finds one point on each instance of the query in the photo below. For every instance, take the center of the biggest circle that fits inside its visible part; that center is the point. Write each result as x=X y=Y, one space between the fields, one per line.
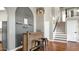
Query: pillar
x=11 y=27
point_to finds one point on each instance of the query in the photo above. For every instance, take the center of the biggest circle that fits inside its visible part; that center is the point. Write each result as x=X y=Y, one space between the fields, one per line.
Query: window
x=25 y=21
x=72 y=13
x=63 y=16
x=66 y=12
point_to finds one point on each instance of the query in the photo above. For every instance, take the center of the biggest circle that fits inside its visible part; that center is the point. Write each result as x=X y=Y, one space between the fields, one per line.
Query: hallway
x=54 y=22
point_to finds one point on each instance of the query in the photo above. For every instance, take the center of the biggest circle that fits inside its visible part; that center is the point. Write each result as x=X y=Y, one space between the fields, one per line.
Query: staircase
x=59 y=31
x=59 y=36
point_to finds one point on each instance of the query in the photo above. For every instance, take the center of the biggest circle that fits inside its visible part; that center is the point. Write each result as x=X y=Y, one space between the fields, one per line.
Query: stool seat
x=44 y=40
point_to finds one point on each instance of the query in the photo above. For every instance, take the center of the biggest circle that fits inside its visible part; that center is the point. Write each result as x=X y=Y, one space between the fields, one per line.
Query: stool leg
x=45 y=42
x=42 y=45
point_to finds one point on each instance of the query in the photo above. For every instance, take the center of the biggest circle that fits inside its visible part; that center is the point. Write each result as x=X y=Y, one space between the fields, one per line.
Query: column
x=11 y=28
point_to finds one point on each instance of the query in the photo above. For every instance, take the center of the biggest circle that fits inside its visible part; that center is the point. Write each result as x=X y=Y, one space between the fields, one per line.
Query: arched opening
x=24 y=22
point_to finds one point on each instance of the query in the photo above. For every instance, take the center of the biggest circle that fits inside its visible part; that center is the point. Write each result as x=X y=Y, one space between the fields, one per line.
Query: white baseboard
x=64 y=41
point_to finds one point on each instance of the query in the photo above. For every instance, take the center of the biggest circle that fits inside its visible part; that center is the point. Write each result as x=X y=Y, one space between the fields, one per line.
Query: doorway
x=72 y=30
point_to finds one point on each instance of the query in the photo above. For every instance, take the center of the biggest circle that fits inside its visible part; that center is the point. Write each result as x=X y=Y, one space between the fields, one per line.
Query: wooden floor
x=57 y=46
x=61 y=46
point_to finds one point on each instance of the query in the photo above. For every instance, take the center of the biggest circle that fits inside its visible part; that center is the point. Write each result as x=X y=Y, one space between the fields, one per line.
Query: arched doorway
x=24 y=22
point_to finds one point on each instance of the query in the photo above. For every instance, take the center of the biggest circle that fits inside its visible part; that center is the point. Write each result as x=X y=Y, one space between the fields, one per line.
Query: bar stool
x=44 y=40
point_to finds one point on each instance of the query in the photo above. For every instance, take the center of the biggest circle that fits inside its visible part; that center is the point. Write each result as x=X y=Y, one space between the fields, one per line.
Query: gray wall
x=21 y=13
x=39 y=23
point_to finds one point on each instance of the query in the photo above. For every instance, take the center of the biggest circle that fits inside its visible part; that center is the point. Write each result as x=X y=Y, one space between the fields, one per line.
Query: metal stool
x=44 y=40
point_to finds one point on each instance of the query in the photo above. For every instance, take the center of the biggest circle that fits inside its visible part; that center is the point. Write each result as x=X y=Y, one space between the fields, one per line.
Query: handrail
x=55 y=25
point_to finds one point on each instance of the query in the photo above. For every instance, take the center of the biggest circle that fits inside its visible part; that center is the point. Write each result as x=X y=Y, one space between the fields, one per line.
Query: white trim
x=59 y=41
x=63 y=41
